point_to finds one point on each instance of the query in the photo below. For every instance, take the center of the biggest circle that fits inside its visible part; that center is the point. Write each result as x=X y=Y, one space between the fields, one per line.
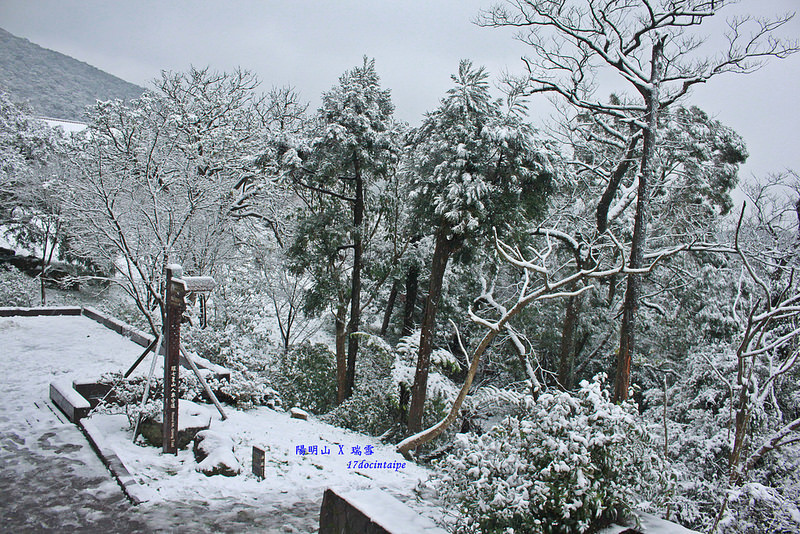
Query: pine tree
x=352 y=151
x=474 y=168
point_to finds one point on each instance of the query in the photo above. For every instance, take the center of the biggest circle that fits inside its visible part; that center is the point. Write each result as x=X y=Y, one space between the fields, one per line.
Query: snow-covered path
x=51 y=479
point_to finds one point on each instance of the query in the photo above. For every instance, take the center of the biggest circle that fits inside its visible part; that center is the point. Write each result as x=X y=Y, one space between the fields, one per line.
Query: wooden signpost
x=169 y=344
x=176 y=291
x=177 y=288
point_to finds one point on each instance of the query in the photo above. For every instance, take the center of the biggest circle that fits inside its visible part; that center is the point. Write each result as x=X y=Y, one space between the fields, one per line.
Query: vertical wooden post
x=176 y=290
x=203 y=312
x=259 y=462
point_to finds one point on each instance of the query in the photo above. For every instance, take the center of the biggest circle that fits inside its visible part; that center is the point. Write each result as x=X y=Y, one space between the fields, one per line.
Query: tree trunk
x=634 y=282
x=420 y=438
x=355 y=296
x=45 y=261
x=341 y=354
x=412 y=286
x=387 y=315
x=441 y=254
x=566 y=366
x=41 y=283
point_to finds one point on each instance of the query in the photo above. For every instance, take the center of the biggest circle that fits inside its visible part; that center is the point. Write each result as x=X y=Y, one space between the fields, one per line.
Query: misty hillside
x=53 y=84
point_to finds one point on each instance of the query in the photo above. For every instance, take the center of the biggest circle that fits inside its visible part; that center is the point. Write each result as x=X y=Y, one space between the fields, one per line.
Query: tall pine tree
x=474 y=167
x=351 y=152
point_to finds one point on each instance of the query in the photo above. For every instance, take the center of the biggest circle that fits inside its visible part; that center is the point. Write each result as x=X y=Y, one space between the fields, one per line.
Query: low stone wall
x=370 y=511
x=120 y=327
x=33 y=312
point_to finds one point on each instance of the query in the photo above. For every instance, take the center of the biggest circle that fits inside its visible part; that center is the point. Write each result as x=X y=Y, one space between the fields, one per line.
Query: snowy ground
x=50 y=477
x=52 y=480
x=65 y=348
x=293 y=480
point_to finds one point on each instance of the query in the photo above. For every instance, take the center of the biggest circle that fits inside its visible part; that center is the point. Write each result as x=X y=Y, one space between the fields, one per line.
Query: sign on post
x=177 y=287
x=176 y=291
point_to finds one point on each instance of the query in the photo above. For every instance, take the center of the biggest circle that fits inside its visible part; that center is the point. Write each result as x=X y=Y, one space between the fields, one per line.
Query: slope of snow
x=59 y=483
x=290 y=477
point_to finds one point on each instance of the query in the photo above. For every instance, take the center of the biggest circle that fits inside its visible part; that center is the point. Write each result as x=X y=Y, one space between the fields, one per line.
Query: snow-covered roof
x=68 y=126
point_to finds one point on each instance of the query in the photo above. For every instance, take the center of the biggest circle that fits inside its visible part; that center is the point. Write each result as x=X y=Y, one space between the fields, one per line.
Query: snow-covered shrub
x=371 y=409
x=307 y=378
x=16 y=288
x=232 y=346
x=245 y=390
x=213 y=344
x=565 y=463
x=246 y=356
x=126 y=394
x=754 y=508
x=700 y=422
x=374 y=408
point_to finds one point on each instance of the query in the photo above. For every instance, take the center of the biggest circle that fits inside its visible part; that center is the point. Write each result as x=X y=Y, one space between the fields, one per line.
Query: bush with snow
x=375 y=407
x=754 y=508
x=16 y=288
x=700 y=422
x=564 y=463
x=126 y=395
x=245 y=389
x=246 y=356
x=306 y=377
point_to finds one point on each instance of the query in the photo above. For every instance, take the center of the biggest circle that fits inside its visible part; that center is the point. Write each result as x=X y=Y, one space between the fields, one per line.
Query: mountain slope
x=53 y=84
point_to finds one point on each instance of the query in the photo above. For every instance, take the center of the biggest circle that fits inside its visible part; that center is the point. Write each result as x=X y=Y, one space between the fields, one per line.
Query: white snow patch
x=290 y=477
x=650 y=524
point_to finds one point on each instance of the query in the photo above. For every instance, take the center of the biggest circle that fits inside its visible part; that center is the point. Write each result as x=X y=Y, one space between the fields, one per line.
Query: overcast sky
x=416 y=44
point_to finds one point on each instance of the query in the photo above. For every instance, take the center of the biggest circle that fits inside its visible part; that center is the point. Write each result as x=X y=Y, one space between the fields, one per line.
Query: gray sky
x=417 y=45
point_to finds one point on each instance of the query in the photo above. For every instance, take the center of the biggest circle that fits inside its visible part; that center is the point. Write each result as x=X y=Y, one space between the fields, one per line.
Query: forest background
x=471 y=271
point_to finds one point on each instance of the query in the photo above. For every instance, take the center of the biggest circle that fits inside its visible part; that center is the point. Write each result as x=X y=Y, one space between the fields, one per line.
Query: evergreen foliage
x=564 y=463
x=307 y=378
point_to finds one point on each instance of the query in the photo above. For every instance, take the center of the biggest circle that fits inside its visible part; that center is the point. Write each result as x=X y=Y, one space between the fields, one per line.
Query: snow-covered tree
x=162 y=180
x=696 y=167
x=25 y=143
x=653 y=46
x=31 y=184
x=473 y=167
x=347 y=161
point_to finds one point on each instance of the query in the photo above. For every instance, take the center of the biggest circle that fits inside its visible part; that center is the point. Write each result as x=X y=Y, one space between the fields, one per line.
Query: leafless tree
x=655 y=47
x=767 y=310
x=165 y=179
x=543 y=276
